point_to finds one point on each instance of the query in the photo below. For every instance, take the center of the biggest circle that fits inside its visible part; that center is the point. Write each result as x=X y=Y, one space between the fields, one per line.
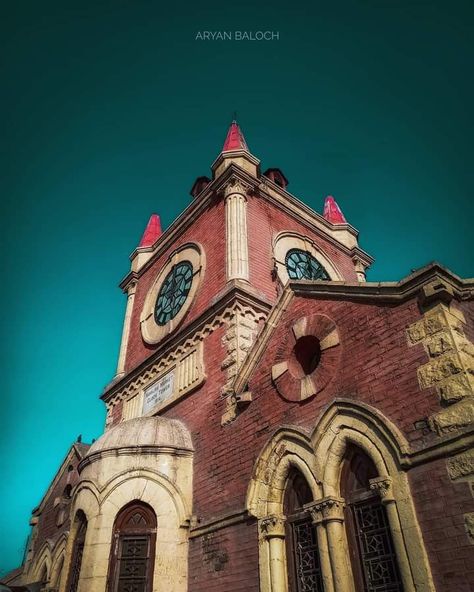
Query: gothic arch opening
x=79 y=533
x=370 y=543
x=303 y=563
x=132 y=555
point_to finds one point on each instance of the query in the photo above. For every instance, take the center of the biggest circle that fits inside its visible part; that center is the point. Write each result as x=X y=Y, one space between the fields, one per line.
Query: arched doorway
x=132 y=556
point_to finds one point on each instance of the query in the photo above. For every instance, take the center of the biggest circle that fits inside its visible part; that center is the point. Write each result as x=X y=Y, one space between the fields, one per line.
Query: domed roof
x=145 y=432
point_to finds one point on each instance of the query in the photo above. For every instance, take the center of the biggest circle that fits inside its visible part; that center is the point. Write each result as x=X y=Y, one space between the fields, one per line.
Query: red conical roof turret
x=235 y=139
x=332 y=212
x=152 y=231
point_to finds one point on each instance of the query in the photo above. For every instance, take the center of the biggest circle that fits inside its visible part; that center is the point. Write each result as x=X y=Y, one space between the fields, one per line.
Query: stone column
x=273 y=530
x=359 y=269
x=236 y=230
x=326 y=572
x=132 y=287
x=383 y=487
x=333 y=518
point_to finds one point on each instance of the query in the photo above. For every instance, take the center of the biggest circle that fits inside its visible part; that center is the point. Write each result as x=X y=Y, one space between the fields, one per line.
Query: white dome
x=152 y=432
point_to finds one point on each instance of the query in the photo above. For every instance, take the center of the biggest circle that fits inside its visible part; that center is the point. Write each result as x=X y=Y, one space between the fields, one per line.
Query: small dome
x=145 y=431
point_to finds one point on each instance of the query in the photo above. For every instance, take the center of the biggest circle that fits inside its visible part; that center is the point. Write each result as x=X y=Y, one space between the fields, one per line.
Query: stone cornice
x=236 y=293
x=133 y=450
x=432 y=277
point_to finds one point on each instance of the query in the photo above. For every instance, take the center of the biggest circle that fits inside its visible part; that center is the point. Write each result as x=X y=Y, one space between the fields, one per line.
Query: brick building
x=276 y=423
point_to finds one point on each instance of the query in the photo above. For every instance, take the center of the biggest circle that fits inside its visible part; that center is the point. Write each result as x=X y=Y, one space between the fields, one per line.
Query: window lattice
x=376 y=548
x=308 y=569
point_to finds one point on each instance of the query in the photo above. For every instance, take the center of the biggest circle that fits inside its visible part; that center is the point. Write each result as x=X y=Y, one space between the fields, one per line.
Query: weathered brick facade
x=267 y=376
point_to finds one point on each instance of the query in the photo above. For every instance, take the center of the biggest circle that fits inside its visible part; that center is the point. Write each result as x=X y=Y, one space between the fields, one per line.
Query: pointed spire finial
x=235 y=138
x=332 y=212
x=152 y=231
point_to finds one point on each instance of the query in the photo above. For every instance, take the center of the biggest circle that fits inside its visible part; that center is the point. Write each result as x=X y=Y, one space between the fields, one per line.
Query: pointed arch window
x=133 y=549
x=371 y=548
x=77 y=551
x=304 y=569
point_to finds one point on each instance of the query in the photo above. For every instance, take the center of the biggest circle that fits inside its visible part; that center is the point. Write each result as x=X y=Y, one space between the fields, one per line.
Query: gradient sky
x=110 y=110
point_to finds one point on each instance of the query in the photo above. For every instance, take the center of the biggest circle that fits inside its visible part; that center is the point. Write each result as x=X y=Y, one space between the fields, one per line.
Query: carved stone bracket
x=273 y=526
x=235 y=185
x=326 y=510
x=383 y=487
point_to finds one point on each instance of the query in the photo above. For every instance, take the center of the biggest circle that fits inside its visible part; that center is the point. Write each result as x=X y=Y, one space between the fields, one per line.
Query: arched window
x=80 y=524
x=304 y=569
x=371 y=548
x=132 y=554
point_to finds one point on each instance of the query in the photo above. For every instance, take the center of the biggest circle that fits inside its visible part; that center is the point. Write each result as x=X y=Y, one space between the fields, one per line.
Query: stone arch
x=345 y=423
x=138 y=488
x=58 y=555
x=42 y=563
x=288 y=447
x=286 y=240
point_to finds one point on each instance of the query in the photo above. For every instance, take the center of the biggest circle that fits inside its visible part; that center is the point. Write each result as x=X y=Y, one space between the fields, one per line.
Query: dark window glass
x=173 y=292
x=133 y=549
x=77 y=552
x=301 y=265
x=371 y=548
x=304 y=569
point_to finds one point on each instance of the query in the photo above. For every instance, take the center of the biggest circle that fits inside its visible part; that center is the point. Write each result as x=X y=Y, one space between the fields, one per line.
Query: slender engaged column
x=126 y=328
x=273 y=529
x=323 y=550
x=236 y=231
x=383 y=486
x=333 y=518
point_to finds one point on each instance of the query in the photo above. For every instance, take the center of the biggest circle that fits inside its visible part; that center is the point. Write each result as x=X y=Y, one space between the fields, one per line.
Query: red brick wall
x=377 y=367
x=441 y=504
x=47 y=528
x=209 y=232
x=264 y=222
x=225 y=560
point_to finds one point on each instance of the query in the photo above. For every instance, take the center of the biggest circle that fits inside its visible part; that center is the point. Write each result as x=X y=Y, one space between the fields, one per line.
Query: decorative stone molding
x=236 y=229
x=131 y=289
x=469 y=526
x=151 y=331
x=177 y=356
x=242 y=330
x=461 y=466
x=327 y=510
x=285 y=241
x=360 y=268
x=383 y=487
x=298 y=373
x=272 y=526
x=451 y=365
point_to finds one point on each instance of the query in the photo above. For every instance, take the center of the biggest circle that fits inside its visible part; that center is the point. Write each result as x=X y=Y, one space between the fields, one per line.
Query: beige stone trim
x=237 y=259
x=320 y=458
x=450 y=368
x=284 y=241
x=132 y=287
x=151 y=331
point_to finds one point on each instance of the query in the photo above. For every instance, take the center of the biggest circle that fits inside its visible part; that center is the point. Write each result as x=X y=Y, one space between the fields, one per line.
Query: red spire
x=235 y=138
x=152 y=231
x=332 y=212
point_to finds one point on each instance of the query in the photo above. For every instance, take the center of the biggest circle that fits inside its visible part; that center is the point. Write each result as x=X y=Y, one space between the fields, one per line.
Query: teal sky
x=110 y=110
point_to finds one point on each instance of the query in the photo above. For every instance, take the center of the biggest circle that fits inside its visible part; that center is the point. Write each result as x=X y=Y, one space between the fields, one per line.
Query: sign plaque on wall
x=158 y=392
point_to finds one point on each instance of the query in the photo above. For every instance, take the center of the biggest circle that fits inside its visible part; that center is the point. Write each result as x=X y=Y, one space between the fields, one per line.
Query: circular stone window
x=172 y=293
x=308 y=359
x=301 y=265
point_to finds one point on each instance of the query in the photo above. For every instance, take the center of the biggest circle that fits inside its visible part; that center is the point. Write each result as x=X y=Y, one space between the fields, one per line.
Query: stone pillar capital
x=273 y=526
x=326 y=510
x=382 y=486
x=236 y=186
